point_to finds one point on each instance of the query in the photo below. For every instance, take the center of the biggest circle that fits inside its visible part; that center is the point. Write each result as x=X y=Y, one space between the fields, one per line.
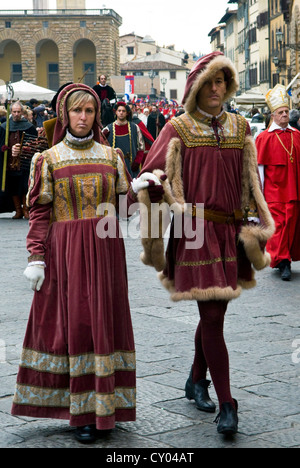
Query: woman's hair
x=78 y=98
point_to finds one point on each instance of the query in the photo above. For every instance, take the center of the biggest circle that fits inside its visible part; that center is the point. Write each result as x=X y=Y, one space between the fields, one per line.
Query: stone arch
x=46 y=34
x=9 y=34
x=4 y=43
x=84 y=61
x=10 y=60
x=47 y=63
x=83 y=34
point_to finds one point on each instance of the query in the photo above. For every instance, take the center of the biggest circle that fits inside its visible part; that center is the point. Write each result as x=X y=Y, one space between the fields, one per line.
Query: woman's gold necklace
x=290 y=153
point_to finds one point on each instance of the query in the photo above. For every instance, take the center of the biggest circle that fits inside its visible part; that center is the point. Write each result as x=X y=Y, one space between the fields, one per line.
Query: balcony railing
x=62 y=12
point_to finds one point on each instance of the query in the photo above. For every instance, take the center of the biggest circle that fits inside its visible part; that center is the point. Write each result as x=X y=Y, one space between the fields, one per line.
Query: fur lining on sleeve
x=253 y=237
x=155 y=218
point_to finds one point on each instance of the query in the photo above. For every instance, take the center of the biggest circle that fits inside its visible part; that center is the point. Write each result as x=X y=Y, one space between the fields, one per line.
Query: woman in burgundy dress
x=78 y=358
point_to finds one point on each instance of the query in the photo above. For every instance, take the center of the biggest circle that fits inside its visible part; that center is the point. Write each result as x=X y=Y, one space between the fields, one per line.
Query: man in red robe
x=278 y=150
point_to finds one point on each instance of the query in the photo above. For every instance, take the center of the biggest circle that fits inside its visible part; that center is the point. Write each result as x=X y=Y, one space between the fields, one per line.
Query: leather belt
x=217 y=216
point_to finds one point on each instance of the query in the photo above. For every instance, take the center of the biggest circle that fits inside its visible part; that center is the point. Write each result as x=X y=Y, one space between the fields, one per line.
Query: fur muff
x=153 y=244
x=254 y=238
x=155 y=218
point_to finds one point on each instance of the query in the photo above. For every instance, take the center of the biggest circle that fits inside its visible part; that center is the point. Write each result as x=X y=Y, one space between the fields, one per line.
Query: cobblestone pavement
x=263 y=338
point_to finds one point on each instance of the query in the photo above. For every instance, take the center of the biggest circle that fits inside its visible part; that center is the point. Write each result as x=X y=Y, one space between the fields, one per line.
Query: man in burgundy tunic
x=126 y=136
x=278 y=157
x=209 y=158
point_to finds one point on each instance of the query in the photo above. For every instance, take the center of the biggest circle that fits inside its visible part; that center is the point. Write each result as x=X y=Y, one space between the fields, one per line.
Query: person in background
x=105 y=91
x=3 y=113
x=256 y=115
x=39 y=113
x=126 y=136
x=144 y=116
x=108 y=98
x=295 y=118
x=28 y=114
x=148 y=141
x=278 y=150
x=16 y=175
x=155 y=122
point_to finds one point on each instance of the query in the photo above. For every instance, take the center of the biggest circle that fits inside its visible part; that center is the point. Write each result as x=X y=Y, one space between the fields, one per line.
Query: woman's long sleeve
x=39 y=199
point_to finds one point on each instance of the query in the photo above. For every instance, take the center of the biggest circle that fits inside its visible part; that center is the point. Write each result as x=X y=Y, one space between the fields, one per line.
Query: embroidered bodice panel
x=77 y=179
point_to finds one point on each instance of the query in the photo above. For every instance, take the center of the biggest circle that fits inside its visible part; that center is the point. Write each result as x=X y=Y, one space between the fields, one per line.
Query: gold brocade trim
x=82 y=364
x=110 y=196
x=103 y=404
x=125 y=397
x=62 y=155
x=79 y=162
x=42 y=397
x=111 y=155
x=100 y=365
x=207 y=262
x=34 y=258
x=62 y=206
x=88 y=194
x=122 y=184
x=196 y=130
x=87 y=402
x=44 y=362
x=32 y=176
x=46 y=192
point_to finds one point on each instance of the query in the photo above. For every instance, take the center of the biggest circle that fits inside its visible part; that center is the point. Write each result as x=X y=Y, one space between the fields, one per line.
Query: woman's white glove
x=143 y=181
x=35 y=275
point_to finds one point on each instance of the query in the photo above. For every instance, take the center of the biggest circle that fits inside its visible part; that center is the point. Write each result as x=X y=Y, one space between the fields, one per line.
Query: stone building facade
x=51 y=47
x=268 y=44
x=293 y=20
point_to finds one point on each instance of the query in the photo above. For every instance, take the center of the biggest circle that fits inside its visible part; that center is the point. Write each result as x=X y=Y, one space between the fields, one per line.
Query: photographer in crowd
x=41 y=112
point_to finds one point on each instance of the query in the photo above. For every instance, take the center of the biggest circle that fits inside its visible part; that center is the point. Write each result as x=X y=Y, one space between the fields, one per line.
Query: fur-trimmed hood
x=203 y=70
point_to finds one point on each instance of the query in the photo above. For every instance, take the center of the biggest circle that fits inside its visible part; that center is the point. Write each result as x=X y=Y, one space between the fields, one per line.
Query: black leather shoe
x=285 y=270
x=86 y=434
x=198 y=392
x=227 y=419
